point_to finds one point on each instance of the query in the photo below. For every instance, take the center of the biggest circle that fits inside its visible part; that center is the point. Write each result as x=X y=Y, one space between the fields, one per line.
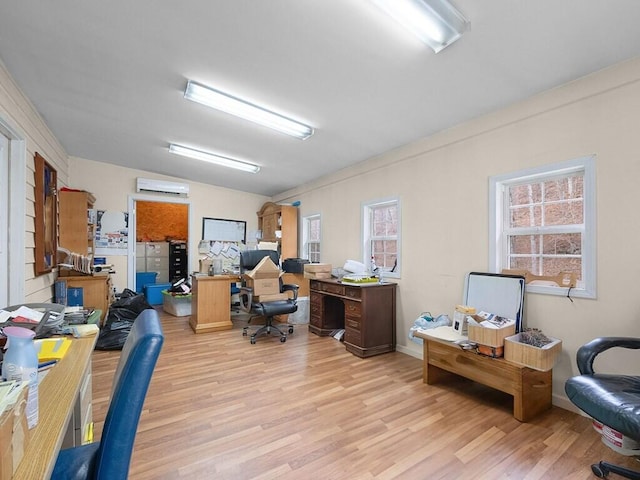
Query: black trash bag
x=122 y=314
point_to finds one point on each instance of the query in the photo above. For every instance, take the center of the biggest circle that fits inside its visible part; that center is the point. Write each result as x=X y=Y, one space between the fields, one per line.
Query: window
x=543 y=221
x=311 y=238
x=381 y=236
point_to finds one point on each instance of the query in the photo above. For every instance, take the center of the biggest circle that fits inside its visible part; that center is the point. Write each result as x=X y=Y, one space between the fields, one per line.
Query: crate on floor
x=144 y=278
x=153 y=293
x=178 y=305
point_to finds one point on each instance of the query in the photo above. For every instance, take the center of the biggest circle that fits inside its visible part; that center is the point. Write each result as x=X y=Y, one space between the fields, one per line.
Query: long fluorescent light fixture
x=436 y=22
x=213 y=158
x=235 y=106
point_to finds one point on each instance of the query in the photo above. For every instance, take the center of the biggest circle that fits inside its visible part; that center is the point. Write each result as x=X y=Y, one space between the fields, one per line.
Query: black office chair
x=613 y=400
x=248 y=261
x=109 y=458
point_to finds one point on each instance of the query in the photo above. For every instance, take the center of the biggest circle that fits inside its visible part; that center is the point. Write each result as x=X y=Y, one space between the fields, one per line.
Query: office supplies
x=52 y=348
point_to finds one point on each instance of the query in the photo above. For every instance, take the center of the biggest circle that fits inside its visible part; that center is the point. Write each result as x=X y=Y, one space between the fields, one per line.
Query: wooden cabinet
x=279 y=223
x=96 y=290
x=76 y=231
x=367 y=314
x=211 y=303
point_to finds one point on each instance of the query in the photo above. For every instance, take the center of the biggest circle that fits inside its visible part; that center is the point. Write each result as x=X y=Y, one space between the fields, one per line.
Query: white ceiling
x=108 y=77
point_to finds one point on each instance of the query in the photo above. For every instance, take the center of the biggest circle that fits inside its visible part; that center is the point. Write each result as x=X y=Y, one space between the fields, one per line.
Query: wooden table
x=531 y=389
x=58 y=394
x=211 y=302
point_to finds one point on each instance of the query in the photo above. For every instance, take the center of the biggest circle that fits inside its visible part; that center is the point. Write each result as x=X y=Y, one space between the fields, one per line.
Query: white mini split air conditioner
x=145 y=185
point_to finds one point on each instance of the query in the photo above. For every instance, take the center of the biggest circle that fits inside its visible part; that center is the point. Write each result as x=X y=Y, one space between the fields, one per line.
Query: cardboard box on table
x=538 y=358
x=317 y=270
x=14 y=436
x=264 y=279
x=490 y=340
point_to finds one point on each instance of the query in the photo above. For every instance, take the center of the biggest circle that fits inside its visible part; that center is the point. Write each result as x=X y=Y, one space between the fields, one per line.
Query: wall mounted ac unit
x=145 y=185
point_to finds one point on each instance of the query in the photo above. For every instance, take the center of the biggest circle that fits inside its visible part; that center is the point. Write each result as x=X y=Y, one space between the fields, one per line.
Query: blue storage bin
x=144 y=278
x=153 y=293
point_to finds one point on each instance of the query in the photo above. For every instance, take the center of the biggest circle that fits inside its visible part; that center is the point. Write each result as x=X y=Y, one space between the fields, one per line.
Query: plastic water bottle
x=20 y=363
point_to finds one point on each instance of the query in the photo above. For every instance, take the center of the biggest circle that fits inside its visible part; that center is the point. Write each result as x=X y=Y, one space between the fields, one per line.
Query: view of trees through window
x=313 y=241
x=545 y=225
x=384 y=235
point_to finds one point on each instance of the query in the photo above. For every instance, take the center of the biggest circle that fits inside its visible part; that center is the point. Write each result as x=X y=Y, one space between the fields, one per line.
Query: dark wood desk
x=531 y=389
x=367 y=314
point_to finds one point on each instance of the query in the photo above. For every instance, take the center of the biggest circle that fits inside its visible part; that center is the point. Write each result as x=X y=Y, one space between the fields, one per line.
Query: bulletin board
x=224 y=230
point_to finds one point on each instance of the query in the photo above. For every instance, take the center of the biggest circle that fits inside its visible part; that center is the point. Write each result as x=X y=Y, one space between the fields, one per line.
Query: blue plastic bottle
x=20 y=362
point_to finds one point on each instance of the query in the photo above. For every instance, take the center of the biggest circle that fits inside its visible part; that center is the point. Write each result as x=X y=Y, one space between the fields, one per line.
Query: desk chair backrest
x=250 y=258
x=130 y=384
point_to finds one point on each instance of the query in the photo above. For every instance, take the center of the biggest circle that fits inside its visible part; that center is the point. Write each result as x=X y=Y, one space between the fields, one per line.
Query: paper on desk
x=444 y=332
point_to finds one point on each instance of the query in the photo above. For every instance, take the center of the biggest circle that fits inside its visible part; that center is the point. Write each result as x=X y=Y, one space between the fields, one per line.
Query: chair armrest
x=246 y=298
x=588 y=352
x=291 y=287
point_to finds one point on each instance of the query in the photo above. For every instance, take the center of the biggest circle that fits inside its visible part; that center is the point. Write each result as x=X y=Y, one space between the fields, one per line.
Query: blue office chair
x=248 y=261
x=613 y=400
x=109 y=458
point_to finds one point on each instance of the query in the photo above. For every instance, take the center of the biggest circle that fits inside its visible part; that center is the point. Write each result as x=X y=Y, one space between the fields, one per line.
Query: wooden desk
x=211 y=302
x=58 y=393
x=96 y=290
x=367 y=314
x=531 y=389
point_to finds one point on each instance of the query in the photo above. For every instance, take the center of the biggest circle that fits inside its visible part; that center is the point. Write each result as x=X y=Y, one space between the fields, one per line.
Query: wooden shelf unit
x=283 y=218
x=76 y=231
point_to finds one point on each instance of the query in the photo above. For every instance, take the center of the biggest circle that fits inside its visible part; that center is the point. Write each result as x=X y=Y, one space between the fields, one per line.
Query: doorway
x=12 y=215
x=156 y=227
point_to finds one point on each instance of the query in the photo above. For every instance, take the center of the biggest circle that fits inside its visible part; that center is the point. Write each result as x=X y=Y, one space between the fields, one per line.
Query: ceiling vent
x=145 y=185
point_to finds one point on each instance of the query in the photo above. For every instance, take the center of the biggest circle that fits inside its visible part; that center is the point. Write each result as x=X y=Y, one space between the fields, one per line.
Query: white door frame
x=131 y=239
x=12 y=283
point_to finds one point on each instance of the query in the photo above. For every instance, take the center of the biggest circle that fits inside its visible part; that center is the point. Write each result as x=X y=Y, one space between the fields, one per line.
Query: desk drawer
x=316 y=309
x=353 y=336
x=352 y=309
x=315 y=298
x=315 y=320
x=353 y=292
x=332 y=288
x=352 y=323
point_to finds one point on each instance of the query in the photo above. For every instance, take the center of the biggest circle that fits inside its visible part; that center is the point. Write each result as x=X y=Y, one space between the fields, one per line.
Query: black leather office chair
x=613 y=400
x=248 y=261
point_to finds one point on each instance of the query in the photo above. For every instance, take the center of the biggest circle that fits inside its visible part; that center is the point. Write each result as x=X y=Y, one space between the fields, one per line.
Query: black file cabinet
x=178 y=259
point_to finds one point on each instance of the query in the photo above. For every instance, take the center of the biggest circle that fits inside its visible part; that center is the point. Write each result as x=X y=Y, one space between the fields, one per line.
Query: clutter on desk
x=14 y=431
x=489 y=330
x=39 y=317
x=359 y=279
x=427 y=322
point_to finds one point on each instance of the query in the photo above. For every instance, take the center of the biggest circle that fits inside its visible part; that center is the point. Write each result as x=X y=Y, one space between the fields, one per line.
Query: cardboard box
x=176 y=305
x=492 y=337
x=317 y=267
x=533 y=357
x=271 y=298
x=317 y=275
x=14 y=437
x=264 y=279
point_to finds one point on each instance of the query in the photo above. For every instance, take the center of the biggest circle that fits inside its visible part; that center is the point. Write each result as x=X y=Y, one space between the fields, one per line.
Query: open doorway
x=159 y=231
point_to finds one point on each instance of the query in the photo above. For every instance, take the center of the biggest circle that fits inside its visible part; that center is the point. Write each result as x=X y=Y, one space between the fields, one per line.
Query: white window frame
x=306 y=233
x=367 y=208
x=498 y=210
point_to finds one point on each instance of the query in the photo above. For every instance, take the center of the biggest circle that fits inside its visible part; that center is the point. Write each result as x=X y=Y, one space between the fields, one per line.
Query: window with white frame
x=381 y=236
x=543 y=221
x=311 y=238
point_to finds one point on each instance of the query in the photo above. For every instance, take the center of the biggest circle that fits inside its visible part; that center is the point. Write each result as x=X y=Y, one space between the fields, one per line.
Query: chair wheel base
x=598 y=471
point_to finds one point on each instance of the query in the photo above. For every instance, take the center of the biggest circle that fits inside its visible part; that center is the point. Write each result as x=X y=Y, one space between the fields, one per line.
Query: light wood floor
x=221 y=408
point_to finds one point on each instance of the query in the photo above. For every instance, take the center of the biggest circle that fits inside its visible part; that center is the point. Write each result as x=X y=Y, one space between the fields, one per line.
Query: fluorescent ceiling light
x=213 y=158
x=240 y=108
x=436 y=22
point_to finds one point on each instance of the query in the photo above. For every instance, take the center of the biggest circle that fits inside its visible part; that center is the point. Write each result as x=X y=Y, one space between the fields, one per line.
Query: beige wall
x=442 y=182
x=112 y=185
x=17 y=113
